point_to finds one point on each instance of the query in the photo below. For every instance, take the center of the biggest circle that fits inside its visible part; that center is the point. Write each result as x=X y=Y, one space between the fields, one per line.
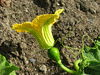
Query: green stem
x=83 y=41
x=82 y=50
x=66 y=69
x=76 y=64
x=70 y=48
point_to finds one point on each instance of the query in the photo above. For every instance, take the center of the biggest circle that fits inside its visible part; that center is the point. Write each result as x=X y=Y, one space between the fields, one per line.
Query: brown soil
x=19 y=48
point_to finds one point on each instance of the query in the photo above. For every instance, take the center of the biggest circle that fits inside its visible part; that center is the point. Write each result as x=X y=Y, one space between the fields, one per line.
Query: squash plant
x=89 y=59
x=40 y=28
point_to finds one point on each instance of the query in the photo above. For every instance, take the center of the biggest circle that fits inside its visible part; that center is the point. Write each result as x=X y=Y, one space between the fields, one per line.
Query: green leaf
x=91 y=71
x=6 y=68
x=12 y=73
x=92 y=54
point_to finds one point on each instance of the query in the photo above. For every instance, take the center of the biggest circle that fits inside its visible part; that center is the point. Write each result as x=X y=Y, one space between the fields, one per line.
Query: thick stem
x=66 y=69
x=76 y=64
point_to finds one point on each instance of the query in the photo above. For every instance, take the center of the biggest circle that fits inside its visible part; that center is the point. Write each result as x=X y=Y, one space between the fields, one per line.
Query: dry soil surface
x=19 y=48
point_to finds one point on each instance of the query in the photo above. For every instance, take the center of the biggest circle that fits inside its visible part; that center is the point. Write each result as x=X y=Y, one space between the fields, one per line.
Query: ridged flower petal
x=40 y=27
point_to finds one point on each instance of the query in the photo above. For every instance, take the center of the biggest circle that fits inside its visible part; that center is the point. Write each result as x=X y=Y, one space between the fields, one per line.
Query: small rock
x=22 y=73
x=23 y=45
x=32 y=60
x=36 y=74
x=90 y=20
x=26 y=62
x=43 y=68
x=58 y=4
x=26 y=10
x=21 y=3
x=25 y=59
x=13 y=16
x=35 y=69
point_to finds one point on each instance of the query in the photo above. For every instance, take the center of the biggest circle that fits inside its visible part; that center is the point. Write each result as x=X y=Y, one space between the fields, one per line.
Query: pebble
x=21 y=3
x=58 y=4
x=23 y=45
x=36 y=74
x=32 y=60
x=26 y=10
x=25 y=60
x=22 y=73
x=13 y=16
x=43 y=68
x=90 y=20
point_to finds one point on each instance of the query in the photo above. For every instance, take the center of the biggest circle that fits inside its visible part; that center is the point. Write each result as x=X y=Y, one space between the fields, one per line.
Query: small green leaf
x=6 y=68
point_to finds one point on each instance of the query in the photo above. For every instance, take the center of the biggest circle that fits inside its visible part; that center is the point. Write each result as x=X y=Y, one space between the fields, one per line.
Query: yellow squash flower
x=40 y=28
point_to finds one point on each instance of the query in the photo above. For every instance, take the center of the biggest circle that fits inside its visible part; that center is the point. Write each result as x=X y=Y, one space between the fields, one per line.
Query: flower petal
x=23 y=27
x=40 y=27
x=47 y=19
